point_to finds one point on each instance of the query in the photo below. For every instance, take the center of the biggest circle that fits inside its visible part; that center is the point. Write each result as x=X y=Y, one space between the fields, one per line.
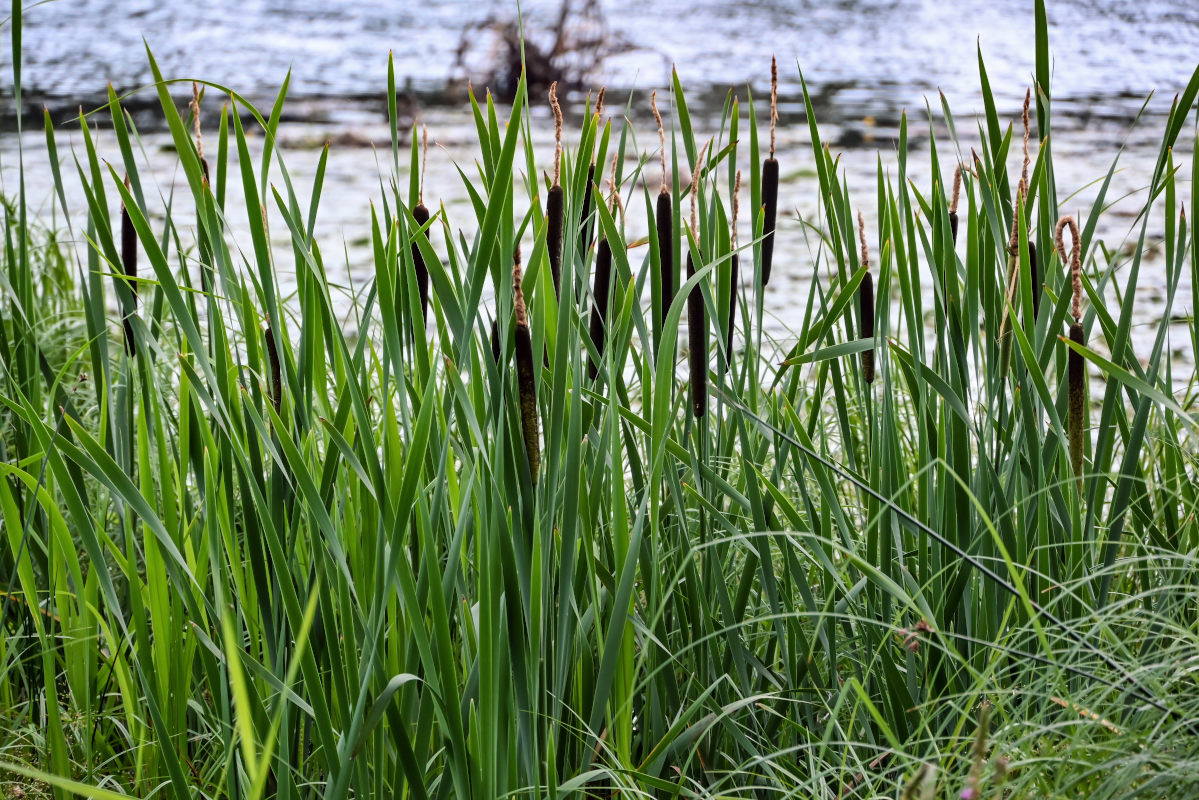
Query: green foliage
x=252 y=556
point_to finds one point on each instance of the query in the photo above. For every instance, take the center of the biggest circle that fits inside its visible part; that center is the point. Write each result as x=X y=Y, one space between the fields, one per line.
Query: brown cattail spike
x=770 y=181
x=524 y=373
x=129 y=267
x=866 y=302
x=555 y=203
x=272 y=354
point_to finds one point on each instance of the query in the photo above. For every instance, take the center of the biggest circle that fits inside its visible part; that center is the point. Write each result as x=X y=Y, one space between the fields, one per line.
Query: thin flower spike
x=866 y=303
x=555 y=203
x=1076 y=374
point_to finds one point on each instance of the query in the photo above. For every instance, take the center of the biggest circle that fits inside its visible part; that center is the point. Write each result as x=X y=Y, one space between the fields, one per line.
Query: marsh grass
x=252 y=556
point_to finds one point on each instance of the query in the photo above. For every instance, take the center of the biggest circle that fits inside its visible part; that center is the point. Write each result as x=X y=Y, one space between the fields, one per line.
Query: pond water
x=865 y=62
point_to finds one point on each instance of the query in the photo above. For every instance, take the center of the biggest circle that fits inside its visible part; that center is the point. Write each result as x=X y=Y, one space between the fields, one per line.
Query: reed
x=496 y=351
x=770 y=180
x=697 y=318
x=1076 y=374
x=555 y=204
x=525 y=382
x=195 y=109
x=664 y=223
x=421 y=215
x=866 y=304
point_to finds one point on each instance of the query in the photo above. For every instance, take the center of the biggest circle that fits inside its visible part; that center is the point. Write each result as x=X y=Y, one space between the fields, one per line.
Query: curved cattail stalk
x=866 y=303
x=1076 y=374
x=272 y=355
x=770 y=180
x=734 y=270
x=664 y=222
x=555 y=202
x=129 y=268
x=524 y=373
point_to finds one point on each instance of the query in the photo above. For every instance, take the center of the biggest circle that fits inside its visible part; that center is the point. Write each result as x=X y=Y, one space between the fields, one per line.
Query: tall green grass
x=252 y=556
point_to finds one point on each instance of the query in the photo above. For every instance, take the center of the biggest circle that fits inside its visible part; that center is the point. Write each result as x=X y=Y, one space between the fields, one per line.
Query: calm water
x=860 y=57
x=864 y=61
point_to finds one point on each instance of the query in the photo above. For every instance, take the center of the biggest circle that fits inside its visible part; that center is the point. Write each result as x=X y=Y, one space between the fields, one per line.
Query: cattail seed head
x=770 y=199
x=1076 y=399
x=272 y=354
x=524 y=373
x=866 y=303
x=421 y=215
x=496 y=353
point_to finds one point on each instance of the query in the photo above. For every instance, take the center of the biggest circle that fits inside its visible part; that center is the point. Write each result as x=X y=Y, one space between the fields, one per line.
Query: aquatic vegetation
x=280 y=546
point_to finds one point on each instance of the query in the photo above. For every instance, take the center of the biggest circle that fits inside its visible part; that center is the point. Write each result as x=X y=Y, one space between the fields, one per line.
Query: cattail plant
x=524 y=372
x=555 y=203
x=272 y=354
x=665 y=228
x=129 y=267
x=735 y=268
x=603 y=280
x=421 y=215
x=587 y=229
x=697 y=320
x=770 y=179
x=866 y=304
x=1013 y=249
x=1076 y=375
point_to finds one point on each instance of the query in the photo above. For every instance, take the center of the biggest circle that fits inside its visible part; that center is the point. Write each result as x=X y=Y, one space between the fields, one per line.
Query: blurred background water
x=865 y=63
x=869 y=56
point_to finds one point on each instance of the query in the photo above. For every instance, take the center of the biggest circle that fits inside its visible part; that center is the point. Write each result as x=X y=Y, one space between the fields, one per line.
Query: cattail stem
x=866 y=304
x=524 y=374
x=272 y=354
